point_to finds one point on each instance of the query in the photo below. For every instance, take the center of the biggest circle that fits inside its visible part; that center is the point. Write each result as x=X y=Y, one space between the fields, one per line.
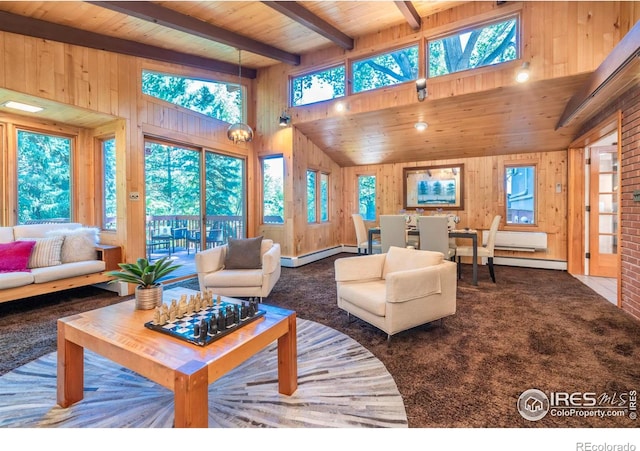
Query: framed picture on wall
x=434 y=187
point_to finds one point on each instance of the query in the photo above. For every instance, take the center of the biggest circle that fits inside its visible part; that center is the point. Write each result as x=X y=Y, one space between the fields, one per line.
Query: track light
x=285 y=119
x=421 y=87
x=523 y=73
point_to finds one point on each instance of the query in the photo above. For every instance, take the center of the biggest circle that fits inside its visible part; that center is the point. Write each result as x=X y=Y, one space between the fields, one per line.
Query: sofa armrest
x=403 y=286
x=210 y=260
x=271 y=259
x=366 y=267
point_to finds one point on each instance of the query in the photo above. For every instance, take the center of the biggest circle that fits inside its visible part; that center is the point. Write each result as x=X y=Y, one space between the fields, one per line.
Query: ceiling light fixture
x=285 y=119
x=421 y=87
x=523 y=73
x=421 y=126
x=22 y=106
x=240 y=132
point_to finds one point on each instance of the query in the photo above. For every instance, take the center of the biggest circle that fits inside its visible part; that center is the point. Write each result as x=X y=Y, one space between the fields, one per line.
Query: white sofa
x=212 y=274
x=398 y=290
x=65 y=275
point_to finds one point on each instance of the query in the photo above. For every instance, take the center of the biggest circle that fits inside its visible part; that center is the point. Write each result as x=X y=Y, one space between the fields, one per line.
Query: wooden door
x=603 y=214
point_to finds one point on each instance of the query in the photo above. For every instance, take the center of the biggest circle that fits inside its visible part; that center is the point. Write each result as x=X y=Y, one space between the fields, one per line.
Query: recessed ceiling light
x=22 y=106
x=420 y=126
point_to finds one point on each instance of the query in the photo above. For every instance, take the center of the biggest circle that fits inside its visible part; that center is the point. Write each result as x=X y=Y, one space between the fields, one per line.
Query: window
x=367 y=197
x=109 y=184
x=273 y=190
x=215 y=99
x=317 y=188
x=318 y=86
x=483 y=46
x=44 y=177
x=520 y=192
x=386 y=69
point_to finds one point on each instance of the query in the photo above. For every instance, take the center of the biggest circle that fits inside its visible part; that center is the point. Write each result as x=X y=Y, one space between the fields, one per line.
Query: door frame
x=576 y=204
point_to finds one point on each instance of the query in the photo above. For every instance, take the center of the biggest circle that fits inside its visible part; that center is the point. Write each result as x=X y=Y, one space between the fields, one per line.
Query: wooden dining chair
x=393 y=231
x=434 y=235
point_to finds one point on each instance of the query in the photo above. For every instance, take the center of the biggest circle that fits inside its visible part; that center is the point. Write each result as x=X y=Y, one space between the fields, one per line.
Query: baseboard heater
x=294 y=262
x=518 y=241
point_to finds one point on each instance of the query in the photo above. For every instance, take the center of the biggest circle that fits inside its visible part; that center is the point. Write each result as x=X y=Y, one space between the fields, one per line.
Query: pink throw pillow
x=14 y=257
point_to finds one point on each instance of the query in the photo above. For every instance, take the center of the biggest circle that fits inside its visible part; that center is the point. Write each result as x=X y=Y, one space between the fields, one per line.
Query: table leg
x=475 y=260
x=370 y=243
x=70 y=371
x=191 y=396
x=288 y=359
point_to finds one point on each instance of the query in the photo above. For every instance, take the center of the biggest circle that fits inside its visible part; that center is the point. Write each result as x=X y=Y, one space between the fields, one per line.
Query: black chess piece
x=203 y=330
x=196 y=330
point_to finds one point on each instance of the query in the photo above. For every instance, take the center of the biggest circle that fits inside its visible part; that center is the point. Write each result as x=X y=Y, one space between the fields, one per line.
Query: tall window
x=215 y=99
x=226 y=194
x=109 y=184
x=273 y=190
x=483 y=46
x=317 y=196
x=520 y=191
x=318 y=86
x=44 y=177
x=367 y=197
x=386 y=69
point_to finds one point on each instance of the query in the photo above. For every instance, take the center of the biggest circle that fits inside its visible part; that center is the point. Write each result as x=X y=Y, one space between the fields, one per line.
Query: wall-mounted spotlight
x=523 y=73
x=421 y=87
x=285 y=119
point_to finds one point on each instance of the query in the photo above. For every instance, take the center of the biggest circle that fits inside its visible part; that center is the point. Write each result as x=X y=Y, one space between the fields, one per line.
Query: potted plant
x=145 y=275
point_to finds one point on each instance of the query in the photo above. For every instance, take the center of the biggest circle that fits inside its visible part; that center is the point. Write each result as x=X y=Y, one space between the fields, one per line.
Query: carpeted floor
x=534 y=328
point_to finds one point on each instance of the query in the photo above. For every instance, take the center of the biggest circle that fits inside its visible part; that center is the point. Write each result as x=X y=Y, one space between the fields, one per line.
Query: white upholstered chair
x=212 y=274
x=483 y=251
x=397 y=290
x=434 y=235
x=393 y=231
x=362 y=236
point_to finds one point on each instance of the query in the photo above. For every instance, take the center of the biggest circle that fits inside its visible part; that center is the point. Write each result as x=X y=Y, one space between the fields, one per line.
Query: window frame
x=521 y=164
x=318 y=204
x=358 y=197
x=293 y=77
x=100 y=197
x=352 y=61
x=262 y=190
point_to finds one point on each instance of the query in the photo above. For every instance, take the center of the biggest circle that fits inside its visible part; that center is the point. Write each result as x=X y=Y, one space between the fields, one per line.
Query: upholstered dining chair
x=393 y=231
x=362 y=236
x=483 y=251
x=434 y=235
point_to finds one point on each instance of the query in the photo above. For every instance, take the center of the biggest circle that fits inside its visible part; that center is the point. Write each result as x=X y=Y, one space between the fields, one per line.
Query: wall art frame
x=434 y=187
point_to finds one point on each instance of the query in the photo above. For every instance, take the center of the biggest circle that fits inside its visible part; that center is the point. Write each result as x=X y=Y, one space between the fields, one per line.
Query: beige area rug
x=340 y=385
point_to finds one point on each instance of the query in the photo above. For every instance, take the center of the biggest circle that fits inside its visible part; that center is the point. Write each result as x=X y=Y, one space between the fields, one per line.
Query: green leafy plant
x=142 y=273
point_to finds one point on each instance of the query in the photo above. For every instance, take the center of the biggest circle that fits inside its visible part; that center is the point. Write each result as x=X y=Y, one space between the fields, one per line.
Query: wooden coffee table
x=118 y=333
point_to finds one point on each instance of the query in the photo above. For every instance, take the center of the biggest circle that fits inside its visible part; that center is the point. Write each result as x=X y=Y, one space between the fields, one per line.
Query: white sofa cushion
x=402 y=259
x=46 y=251
x=234 y=278
x=79 y=244
x=41 y=275
x=15 y=279
x=6 y=234
x=369 y=296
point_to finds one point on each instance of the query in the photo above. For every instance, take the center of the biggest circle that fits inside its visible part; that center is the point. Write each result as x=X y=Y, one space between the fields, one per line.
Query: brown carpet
x=534 y=328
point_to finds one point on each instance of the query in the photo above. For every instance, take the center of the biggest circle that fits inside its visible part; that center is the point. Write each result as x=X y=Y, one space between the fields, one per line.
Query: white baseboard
x=294 y=262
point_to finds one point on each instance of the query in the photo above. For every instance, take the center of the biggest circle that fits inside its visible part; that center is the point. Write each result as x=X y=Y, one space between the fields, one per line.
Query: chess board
x=190 y=327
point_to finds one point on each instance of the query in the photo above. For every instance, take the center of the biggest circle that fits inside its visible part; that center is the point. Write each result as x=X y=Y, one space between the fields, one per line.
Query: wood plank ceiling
x=209 y=33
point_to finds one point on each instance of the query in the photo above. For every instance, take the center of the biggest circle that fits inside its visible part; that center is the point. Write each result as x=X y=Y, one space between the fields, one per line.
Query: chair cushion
x=467 y=251
x=244 y=253
x=369 y=296
x=14 y=257
x=15 y=279
x=402 y=259
x=234 y=278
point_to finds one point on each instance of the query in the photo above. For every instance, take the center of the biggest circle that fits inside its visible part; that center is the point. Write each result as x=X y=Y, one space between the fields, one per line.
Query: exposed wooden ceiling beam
x=623 y=54
x=14 y=23
x=410 y=14
x=303 y=16
x=169 y=18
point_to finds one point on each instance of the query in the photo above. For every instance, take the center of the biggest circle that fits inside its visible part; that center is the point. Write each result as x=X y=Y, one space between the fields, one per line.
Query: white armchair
x=212 y=274
x=396 y=291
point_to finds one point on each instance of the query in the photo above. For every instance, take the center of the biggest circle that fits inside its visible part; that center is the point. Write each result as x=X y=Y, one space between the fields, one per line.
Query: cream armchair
x=212 y=274
x=396 y=291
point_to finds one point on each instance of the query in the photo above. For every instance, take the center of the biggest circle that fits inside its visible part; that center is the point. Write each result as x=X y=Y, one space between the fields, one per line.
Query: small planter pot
x=148 y=298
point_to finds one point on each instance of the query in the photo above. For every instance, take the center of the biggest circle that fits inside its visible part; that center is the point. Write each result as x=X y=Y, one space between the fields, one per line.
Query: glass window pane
x=324 y=197
x=318 y=86
x=367 y=197
x=607 y=244
x=44 y=177
x=311 y=196
x=225 y=196
x=385 y=70
x=273 y=190
x=606 y=203
x=109 y=184
x=482 y=46
x=520 y=191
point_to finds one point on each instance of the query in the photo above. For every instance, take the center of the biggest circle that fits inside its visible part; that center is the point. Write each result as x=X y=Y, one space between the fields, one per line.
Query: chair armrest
x=403 y=286
x=366 y=267
x=271 y=259
x=210 y=260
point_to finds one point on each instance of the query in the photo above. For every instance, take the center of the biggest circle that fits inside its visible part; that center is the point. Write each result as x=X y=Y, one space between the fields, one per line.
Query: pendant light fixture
x=240 y=132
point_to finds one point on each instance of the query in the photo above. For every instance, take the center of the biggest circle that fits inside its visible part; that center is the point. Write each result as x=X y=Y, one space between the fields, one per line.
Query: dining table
x=458 y=233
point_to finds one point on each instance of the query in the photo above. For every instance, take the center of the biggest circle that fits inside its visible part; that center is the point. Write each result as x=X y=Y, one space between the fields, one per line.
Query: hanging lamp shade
x=240 y=132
